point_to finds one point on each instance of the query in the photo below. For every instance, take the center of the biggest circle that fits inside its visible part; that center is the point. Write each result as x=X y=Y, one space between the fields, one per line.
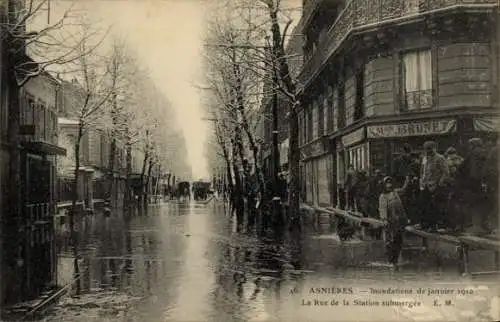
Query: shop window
x=416 y=79
x=28 y=116
x=356 y=157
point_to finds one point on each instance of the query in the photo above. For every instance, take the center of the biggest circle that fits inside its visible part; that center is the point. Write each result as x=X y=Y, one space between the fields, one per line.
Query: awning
x=40 y=147
x=486 y=124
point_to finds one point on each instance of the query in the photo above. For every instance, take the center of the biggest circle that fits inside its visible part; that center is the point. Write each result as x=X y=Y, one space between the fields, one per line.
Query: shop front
x=317 y=175
x=351 y=150
x=386 y=140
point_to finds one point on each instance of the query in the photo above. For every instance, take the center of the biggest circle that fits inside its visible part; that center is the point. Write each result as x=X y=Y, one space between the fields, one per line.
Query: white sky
x=168 y=37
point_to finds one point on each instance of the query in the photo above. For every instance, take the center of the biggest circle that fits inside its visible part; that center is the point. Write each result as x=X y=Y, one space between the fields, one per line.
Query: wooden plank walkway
x=463 y=243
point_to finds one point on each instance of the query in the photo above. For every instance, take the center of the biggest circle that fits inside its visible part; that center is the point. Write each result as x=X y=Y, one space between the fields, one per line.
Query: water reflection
x=188 y=262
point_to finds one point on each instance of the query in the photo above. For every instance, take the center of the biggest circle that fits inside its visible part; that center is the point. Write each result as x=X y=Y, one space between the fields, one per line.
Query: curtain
x=425 y=70
x=417 y=73
x=411 y=72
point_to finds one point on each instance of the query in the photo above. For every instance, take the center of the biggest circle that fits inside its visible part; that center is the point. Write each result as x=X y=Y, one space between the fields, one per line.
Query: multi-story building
x=95 y=149
x=381 y=73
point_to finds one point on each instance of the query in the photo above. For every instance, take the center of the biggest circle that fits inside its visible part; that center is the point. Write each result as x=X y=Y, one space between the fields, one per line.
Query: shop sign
x=353 y=137
x=486 y=124
x=313 y=149
x=412 y=129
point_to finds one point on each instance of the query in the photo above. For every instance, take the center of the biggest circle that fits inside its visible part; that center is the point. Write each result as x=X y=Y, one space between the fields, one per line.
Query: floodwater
x=187 y=262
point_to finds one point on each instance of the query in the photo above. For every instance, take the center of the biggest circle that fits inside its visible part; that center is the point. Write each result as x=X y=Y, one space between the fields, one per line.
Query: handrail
x=468 y=240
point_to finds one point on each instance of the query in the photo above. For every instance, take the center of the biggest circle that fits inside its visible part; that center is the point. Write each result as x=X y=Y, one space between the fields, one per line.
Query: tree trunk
x=13 y=205
x=240 y=103
x=111 y=169
x=291 y=91
x=237 y=196
x=73 y=212
x=127 y=198
x=143 y=175
x=148 y=182
x=294 y=168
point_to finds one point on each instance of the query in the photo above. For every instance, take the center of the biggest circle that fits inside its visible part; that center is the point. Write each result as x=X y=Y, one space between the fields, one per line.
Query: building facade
x=95 y=150
x=378 y=74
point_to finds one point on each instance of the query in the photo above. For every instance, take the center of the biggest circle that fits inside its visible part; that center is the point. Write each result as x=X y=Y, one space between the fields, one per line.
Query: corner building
x=381 y=73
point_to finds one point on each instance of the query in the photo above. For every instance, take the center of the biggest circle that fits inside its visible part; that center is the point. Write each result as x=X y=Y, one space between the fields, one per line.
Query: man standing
x=351 y=183
x=470 y=186
x=433 y=175
x=406 y=165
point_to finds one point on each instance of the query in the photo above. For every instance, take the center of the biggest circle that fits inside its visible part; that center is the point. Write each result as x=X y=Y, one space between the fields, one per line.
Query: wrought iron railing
x=363 y=13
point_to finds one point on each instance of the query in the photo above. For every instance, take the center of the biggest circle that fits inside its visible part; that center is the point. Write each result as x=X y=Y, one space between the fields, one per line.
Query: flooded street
x=186 y=262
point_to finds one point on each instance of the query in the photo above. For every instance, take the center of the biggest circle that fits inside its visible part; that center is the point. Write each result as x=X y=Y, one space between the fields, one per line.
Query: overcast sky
x=168 y=37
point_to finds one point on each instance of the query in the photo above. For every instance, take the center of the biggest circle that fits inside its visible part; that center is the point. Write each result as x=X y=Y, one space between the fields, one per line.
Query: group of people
x=431 y=191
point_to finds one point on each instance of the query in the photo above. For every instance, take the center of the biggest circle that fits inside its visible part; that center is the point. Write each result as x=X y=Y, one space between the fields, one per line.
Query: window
x=359 y=109
x=309 y=124
x=329 y=104
x=335 y=109
x=314 y=120
x=321 y=112
x=326 y=113
x=416 y=76
x=356 y=157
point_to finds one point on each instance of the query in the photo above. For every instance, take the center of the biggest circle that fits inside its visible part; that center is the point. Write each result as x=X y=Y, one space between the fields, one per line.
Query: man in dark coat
x=490 y=180
x=470 y=186
x=351 y=184
x=406 y=165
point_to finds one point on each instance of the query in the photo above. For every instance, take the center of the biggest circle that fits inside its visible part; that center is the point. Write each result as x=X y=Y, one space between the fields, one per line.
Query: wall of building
x=465 y=75
x=379 y=86
x=39 y=99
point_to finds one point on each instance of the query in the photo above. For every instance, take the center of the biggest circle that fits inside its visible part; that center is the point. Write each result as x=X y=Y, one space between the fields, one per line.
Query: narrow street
x=185 y=262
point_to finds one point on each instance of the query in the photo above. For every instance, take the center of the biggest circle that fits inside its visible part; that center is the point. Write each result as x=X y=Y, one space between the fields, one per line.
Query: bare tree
x=262 y=32
x=48 y=45
x=121 y=69
x=90 y=91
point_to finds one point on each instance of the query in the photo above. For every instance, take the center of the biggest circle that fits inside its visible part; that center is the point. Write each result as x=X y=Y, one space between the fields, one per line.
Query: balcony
x=38 y=127
x=361 y=14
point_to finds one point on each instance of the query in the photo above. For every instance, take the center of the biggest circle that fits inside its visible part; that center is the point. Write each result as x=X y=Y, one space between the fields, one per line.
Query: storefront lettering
x=353 y=137
x=411 y=129
x=314 y=149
